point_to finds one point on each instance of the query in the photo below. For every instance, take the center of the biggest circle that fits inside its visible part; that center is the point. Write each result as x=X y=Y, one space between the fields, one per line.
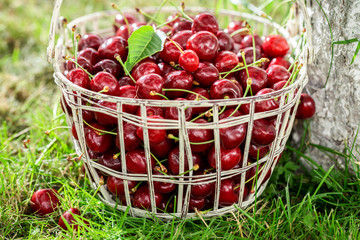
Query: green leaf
x=143 y=43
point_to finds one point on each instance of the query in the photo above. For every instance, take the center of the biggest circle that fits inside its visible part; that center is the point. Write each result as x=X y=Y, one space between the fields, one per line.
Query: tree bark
x=338 y=103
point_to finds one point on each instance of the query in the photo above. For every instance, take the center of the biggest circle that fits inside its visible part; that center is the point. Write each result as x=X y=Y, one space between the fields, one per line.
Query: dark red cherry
x=122 y=199
x=172 y=112
x=179 y=79
x=229 y=158
x=172 y=19
x=79 y=77
x=228 y=195
x=131 y=140
x=128 y=92
x=226 y=43
x=112 y=46
x=73 y=131
x=280 y=61
x=225 y=61
x=90 y=54
x=163 y=187
x=123 y=31
x=280 y=85
x=206 y=74
x=205 y=22
x=199 y=136
x=142 y=198
x=258 y=77
x=151 y=110
x=275 y=46
x=165 y=68
x=136 y=161
x=166 y=205
x=156 y=136
x=181 y=37
x=97 y=140
x=174 y=161
x=197 y=97
x=109 y=160
x=205 y=44
x=162 y=150
x=257 y=152
x=266 y=105
x=232 y=137
x=202 y=190
x=44 y=201
x=68 y=216
x=109 y=66
x=145 y=68
x=149 y=84
x=306 y=108
x=224 y=88
x=126 y=80
x=181 y=26
x=119 y=20
x=117 y=185
x=104 y=118
x=189 y=61
x=196 y=204
x=105 y=80
x=234 y=26
x=171 y=52
x=83 y=62
x=90 y=40
x=249 y=55
x=277 y=73
x=247 y=41
x=263 y=132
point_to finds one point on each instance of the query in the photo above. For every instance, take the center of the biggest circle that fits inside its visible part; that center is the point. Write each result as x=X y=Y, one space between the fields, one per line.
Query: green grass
x=299 y=203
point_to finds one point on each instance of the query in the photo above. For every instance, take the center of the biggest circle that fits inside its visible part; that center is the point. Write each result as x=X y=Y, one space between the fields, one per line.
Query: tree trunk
x=338 y=104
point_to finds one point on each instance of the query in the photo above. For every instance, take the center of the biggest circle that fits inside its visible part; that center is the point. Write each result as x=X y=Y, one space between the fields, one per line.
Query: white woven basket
x=76 y=97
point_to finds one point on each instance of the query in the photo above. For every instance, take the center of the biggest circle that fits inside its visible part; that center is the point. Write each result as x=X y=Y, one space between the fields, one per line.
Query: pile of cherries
x=199 y=61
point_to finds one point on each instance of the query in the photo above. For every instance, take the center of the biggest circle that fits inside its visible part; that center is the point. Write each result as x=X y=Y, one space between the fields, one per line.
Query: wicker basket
x=77 y=97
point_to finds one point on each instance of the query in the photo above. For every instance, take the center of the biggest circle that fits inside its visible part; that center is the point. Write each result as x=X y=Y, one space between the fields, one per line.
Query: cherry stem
x=166 y=23
x=47 y=132
x=294 y=64
x=153 y=93
x=246 y=69
x=140 y=11
x=195 y=168
x=240 y=66
x=162 y=167
x=73 y=29
x=182 y=11
x=77 y=46
x=208 y=170
x=178 y=47
x=78 y=65
x=241 y=30
x=183 y=90
x=171 y=136
x=117 y=57
x=253 y=40
x=134 y=189
x=115 y=156
x=101 y=131
x=158 y=169
x=105 y=90
x=157 y=12
x=123 y=15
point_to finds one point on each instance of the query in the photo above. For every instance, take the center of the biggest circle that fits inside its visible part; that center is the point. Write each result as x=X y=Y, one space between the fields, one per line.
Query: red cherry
x=263 y=132
x=206 y=74
x=151 y=110
x=225 y=61
x=229 y=158
x=197 y=97
x=126 y=80
x=142 y=198
x=249 y=55
x=128 y=92
x=119 y=20
x=163 y=187
x=90 y=54
x=228 y=195
x=172 y=112
x=234 y=26
x=83 y=62
x=232 y=137
x=148 y=84
x=79 y=77
x=258 y=77
x=156 y=136
x=226 y=43
x=247 y=41
x=205 y=44
x=165 y=68
x=182 y=37
x=171 y=52
x=68 y=216
x=112 y=46
x=136 y=161
x=96 y=140
x=105 y=80
x=205 y=22
x=306 y=108
x=104 y=118
x=172 y=19
x=178 y=80
x=131 y=140
x=189 y=61
x=200 y=135
x=44 y=201
x=280 y=61
x=110 y=66
x=277 y=73
x=202 y=190
x=196 y=204
x=90 y=40
x=279 y=85
x=275 y=46
x=224 y=88
x=174 y=161
x=117 y=185
x=145 y=68
x=162 y=150
x=107 y=159
x=258 y=152
x=73 y=132
x=181 y=26
x=166 y=205
x=123 y=31
x=266 y=105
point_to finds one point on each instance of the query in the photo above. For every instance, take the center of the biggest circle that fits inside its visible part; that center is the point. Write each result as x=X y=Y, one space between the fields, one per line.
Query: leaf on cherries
x=144 y=42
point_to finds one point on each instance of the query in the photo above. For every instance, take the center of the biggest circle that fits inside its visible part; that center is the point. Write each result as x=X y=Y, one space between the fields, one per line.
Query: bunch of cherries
x=199 y=62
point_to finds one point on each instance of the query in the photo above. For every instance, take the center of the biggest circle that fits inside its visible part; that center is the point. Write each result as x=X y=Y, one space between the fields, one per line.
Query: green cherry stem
x=195 y=168
x=171 y=136
x=98 y=130
x=157 y=12
x=246 y=68
x=183 y=90
x=115 y=156
x=118 y=58
x=166 y=23
x=153 y=93
x=134 y=189
x=241 y=30
x=253 y=40
x=78 y=65
x=113 y=5
x=177 y=46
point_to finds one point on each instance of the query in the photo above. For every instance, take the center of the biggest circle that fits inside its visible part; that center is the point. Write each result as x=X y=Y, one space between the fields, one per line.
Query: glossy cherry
x=174 y=161
x=149 y=84
x=179 y=79
x=205 y=44
x=151 y=110
x=96 y=140
x=306 y=108
x=128 y=92
x=247 y=41
x=229 y=158
x=258 y=152
x=79 y=77
x=126 y=80
x=162 y=150
x=249 y=55
x=277 y=73
x=206 y=74
x=104 y=118
x=109 y=160
x=205 y=22
x=189 y=61
x=172 y=112
x=171 y=52
x=136 y=161
x=112 y=46
x=117 y=185
x=280 y=61
x=90 y=54
x=104 y=80
x=68 y=217
x=197 y=97
x=181 y=37
x=119 y=20
x=110 y=66
x=90 y=40
x=44 y=201
x=275 y=46
x=258 y=77
x=199 y=136
x=232 y=137
x=263 y=132
x=224 y=89
x=228 y=194
x=198 y=204
x=165 y=68
x=202 y=190
x=144 y=68
x=181 y=25
x=131 y=139
x=266 y=105
x=156 y=136
x=280 y=85
x=83 y=62
x=226 y=43
x=142 y=198
x=73 y=131
x=163 y=187
x=225 y=61
x=234 y=26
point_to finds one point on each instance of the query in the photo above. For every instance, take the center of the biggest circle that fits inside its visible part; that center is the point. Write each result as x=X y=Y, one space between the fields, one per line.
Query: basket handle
x=53 y=25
